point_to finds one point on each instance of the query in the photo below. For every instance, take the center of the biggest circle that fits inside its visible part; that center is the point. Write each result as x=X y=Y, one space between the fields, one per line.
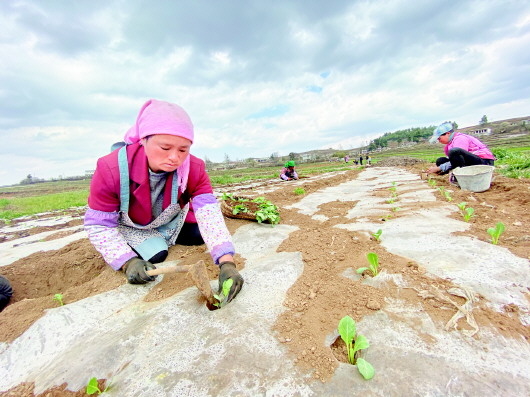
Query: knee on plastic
x=159 y=257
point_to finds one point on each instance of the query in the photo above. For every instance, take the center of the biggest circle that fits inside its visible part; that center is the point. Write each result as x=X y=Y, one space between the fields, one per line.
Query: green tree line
x=416 y=134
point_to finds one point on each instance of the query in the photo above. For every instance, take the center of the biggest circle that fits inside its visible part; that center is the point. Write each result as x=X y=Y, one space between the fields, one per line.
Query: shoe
x=452 y=180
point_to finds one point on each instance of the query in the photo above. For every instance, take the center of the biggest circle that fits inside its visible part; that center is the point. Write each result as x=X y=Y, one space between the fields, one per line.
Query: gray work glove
x=134 y=270
x=228 y=270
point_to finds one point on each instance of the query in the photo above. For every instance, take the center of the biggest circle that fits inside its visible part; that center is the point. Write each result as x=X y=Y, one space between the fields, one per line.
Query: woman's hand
x=134 y=270
x=433 y=170
x=228 y=270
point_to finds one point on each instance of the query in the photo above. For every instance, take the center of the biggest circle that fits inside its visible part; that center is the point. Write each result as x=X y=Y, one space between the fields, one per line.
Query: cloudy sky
x=256 y=77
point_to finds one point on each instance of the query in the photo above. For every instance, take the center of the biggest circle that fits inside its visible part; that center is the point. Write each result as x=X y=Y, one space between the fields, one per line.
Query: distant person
x=6 y=292
x=151 y=194
x=288 y=172
x=368 y=160
x=461 y=150
x=346 y=159
x=361 y=159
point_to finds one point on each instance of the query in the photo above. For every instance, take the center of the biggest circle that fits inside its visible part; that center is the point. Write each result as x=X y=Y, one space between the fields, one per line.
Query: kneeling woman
x=461 y=150
x=151 y=194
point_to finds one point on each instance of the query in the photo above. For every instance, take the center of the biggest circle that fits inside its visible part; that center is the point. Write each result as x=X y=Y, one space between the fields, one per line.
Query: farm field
x=274 y=339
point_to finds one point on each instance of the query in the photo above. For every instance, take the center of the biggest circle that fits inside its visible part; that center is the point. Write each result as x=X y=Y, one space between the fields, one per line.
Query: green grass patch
x=512 y=163
x=17 y=207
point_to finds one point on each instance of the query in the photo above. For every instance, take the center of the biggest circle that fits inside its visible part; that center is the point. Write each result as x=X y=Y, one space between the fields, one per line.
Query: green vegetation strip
x=17 y=207
x=22 y=200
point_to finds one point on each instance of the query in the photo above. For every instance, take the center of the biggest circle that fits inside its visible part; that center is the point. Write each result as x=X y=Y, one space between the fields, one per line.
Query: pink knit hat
x=159 y=117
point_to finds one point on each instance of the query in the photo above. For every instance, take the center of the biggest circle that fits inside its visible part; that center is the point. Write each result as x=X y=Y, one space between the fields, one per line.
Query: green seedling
x=221 y=298
x=462 y=206
x=239 y=208
x=267 y=211
x=299 y=190
x=447 y=195
x=354 y=343
x=468 y=214
x=59 y=298
x=432 y=183
x=395 y=209
x=391 y=200
x=495 y=232
x=373 y=260
x=93 y=387
x=393 y=189
x=377 y=235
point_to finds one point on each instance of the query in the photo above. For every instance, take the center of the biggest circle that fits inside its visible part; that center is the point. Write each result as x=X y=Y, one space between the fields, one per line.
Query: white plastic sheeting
x=178 y=347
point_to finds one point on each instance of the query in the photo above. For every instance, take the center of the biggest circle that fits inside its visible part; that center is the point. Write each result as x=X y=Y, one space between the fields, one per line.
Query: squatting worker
x=6 y=292
x=288 y=173
x=151 y=194
x=461 y=150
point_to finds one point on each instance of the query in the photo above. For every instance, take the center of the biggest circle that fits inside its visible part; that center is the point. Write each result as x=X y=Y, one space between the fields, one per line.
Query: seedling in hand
x=373 y=260
x=377 y=235
x=93 y=387
x=221 y=298
x=59 y=298
x=495 y=232
x=354 y=343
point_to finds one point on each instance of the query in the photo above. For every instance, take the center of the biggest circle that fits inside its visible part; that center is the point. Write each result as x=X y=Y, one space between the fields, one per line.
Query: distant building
x=482 y=131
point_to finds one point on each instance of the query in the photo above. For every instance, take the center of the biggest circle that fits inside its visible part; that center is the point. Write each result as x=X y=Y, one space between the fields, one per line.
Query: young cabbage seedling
x=495 y=232
x=299 y=190
x=221 y=298
x=462 y=206
x=239 y=208
x=447 y=195
x=373 y=260
x=377 y=235
x=432 y=183
x=267 y=211
x=93 y=387
x=354 y=343
x=59 y=298
x=468 y=214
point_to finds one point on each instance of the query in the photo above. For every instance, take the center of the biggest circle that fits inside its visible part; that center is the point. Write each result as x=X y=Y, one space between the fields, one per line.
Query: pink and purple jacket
x=285 y=174
x=469 y=143
x=102 y=217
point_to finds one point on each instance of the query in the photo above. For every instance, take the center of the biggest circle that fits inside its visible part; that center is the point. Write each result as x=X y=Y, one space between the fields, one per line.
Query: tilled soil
x=316 y=301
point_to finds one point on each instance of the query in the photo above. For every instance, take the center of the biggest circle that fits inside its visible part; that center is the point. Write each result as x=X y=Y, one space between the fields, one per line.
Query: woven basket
x=228 y=205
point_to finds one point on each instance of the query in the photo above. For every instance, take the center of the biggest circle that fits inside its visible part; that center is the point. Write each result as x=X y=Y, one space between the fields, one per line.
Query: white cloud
x=74 y=77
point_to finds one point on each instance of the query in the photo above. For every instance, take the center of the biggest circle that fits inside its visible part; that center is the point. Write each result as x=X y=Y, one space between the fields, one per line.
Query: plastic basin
x=476 y=178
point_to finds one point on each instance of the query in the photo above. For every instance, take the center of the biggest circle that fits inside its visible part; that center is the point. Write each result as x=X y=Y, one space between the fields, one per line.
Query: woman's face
x=444 y=138
x=166 y=152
